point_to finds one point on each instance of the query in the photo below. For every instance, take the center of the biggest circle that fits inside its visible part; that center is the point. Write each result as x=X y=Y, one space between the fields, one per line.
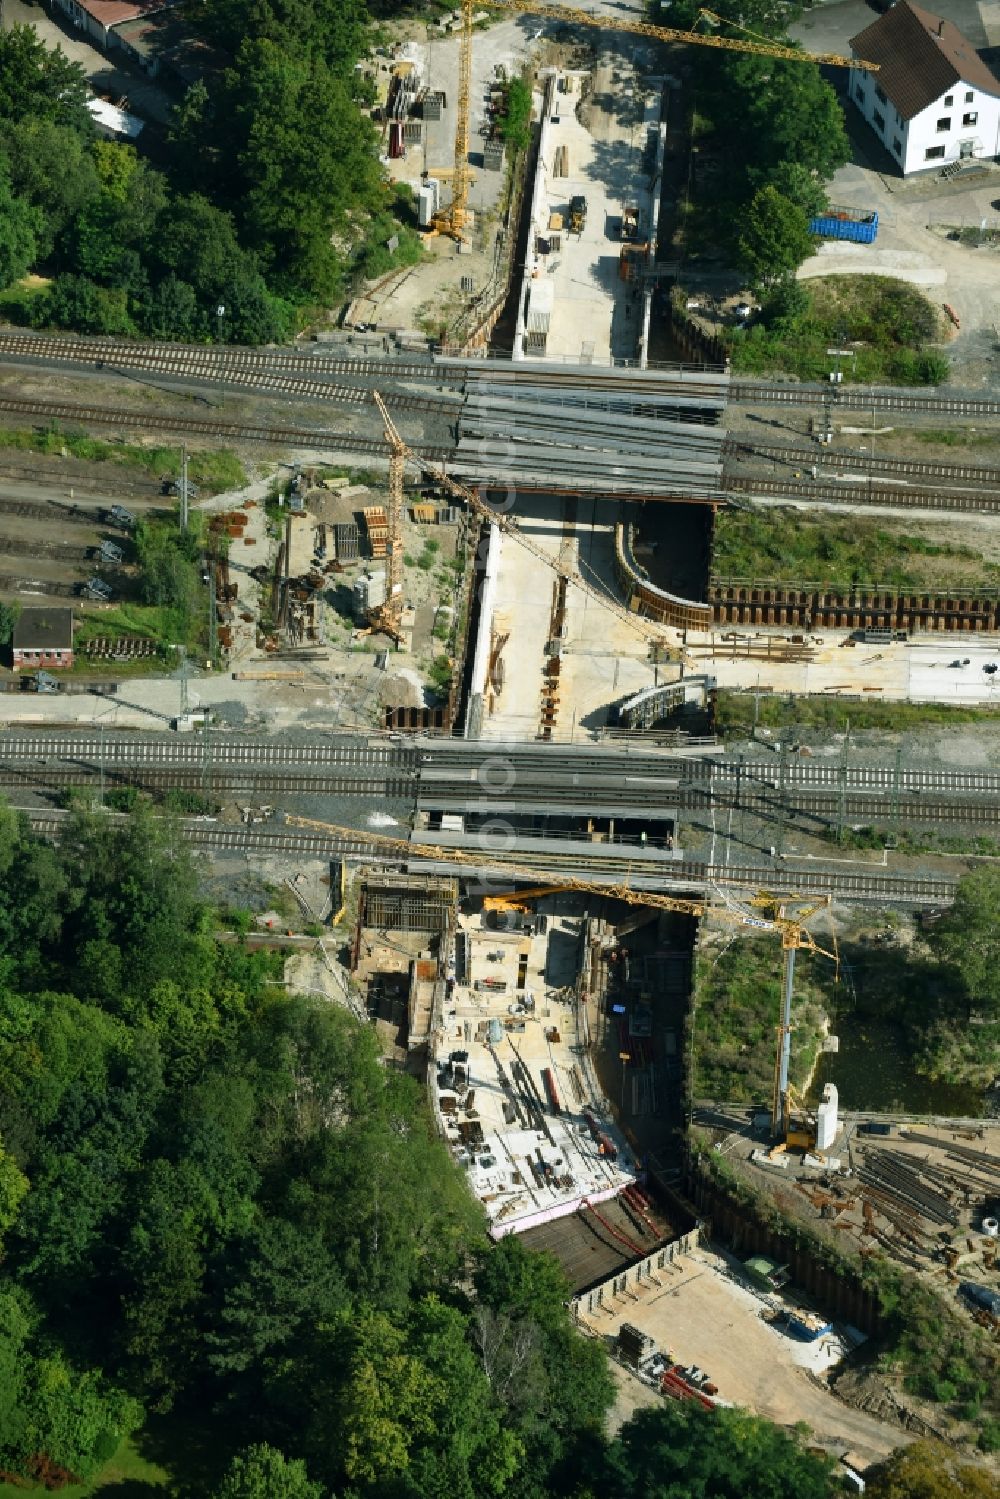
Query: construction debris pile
x=930 y=1201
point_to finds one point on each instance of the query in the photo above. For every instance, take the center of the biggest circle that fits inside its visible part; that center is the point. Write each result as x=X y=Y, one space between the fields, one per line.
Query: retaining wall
x=646 y=599
x=813 y=607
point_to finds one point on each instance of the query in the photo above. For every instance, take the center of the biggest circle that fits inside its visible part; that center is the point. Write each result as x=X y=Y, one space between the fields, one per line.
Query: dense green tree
x=774 y=239
x=333 y=30
x=78 y=302
x=773 y=112
x=262 y=1472
x=766 y=17
x=172 y=311
x=306 y=158
x=48 y=1410
x=39 y=82
x=800 y=186
x=13 y=1190
x=274 y=1285
x=967 y=938
x=20 y=223
x=928 y=1470
x=51 y=166
x=676 y=1450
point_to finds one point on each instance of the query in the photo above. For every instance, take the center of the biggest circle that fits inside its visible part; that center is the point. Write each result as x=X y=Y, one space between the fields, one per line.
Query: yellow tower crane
x=388 y=617
x=758 y=45
x=645 y=628
x=452 y=219
x=795 y=937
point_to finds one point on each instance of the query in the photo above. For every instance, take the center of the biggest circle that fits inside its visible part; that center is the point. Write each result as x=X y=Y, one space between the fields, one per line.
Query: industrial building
x=43 y=638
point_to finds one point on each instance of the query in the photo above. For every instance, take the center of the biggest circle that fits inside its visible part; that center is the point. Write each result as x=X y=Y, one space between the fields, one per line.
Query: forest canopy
x=261 y=198
x=231 y=1234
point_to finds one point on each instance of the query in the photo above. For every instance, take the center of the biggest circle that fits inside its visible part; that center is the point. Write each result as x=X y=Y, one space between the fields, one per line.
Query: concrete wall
x=539 y=198
x=487 y=585
x=86 y=23
x=619 y=1285
x=646 y=599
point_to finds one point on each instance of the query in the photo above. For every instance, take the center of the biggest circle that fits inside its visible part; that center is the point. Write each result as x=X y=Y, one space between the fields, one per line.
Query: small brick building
x=43 y=638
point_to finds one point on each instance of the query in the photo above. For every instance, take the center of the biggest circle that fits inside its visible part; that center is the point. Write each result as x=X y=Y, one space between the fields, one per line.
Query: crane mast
x=644 y=628
x=451 y=220
x=795 y=937
x=388 y=617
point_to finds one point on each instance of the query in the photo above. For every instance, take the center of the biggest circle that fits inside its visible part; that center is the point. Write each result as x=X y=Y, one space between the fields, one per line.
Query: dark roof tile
x=920 y=57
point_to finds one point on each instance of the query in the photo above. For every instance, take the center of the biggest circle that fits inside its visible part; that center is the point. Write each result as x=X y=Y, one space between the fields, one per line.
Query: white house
x=933 y=100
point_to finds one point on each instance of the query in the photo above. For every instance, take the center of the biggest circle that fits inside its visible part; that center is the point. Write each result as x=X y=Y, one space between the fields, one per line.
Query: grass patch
x=888 y=324
x=955 y=437
x=735 y=714
x=840 y=552
x=167 y=626
x=128 y=1472
x=213 y=470
x=907 y=841
x=736 y=1006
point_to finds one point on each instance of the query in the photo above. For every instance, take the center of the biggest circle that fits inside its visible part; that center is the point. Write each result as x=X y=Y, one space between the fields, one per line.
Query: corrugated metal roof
x=920 y=57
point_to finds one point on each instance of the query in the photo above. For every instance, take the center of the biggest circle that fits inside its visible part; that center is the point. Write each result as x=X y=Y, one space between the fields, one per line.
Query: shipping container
x=859 y=225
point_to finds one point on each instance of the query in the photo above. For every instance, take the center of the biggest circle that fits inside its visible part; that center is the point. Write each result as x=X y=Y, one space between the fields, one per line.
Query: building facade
x=43 y=639
x=97 y=19
x=933 y=101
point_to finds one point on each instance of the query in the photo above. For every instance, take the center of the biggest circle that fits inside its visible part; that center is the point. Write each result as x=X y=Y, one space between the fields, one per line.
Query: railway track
x=457 y=370
x=485 y=772
x=169 y=752
x=894 y=496
x=826 y=805
x=237 y=840
x=66 y=411
x=864 y=888
x=61 y=551
x=294 y=376
x=18 y=583
x=876 y=778
x=861 y=398
x=867 y=463
x=248 y=782
x=638 y=874
x=61 y=515
x=870 y=809
x=318 y=361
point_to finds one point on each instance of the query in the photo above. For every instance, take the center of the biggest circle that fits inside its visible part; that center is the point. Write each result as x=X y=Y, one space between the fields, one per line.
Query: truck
x=577 y=214
x=629 y=226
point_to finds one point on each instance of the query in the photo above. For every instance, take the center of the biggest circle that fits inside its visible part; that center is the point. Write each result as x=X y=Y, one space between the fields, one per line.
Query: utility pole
x=896 y=781
x=206 y=761
x=842 y=799
x=213 y=633
x=782 y=798
x=184 y=489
